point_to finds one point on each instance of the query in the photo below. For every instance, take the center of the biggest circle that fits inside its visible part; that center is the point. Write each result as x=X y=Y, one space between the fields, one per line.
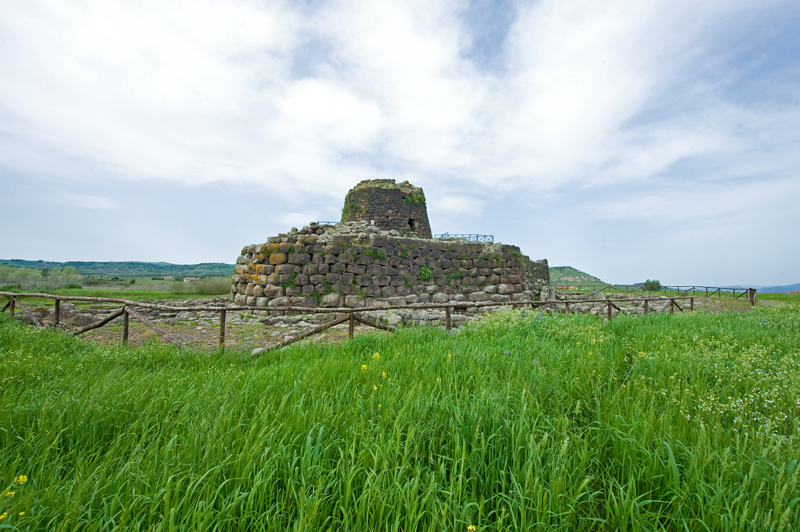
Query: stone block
x=374 y=269
x=372 y=290
x=294 y=291
x=439 y=297
x=347 y=278
x=356 y=269
x=280 y=302
x=299 y=258
x=380 y=241
x=251 y=301
x=316 y=279
x=331 y=259
x=478 y=296
x=331 y=300
x=322 y=269
x=490 y=289
x=258 y=291
x=338 y=268
x=505 y=289
x=354 y=301
x=342 y=240
x=262 y=301
x=307 y=239
x=333 y=278
x=381 y=280
x=310 y=269
x=365 y=260
x=332 y=249
x=301 y=280
x=285 y=268
x=388 y=291
x=272 y=291
x=278 y=258
x=364 y=280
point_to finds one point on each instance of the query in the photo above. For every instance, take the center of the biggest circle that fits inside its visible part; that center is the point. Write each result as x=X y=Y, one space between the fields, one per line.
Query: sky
x=632 y=140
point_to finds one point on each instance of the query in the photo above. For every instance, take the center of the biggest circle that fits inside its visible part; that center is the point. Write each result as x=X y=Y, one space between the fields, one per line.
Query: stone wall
x=389 y=205
x=356 y=264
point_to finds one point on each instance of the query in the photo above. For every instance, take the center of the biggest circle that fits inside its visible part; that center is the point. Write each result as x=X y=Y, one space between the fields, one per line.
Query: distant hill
x=131 y=269
x=570 y=275
x=780 y=289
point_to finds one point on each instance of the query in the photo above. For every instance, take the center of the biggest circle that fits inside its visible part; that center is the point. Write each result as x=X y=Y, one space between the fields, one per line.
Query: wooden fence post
x=671 y=306
x=57 y=312
x=351 y=325
x=223 y=315
x=645 y=306
x=691 y=303
x=125 y=323
x=752 y=296
x=609 y=311
x=13 y=305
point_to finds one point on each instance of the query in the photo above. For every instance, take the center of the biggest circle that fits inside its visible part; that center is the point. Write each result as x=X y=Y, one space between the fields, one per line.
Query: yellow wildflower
x=3 y=515
x=376 y=356
x=449 y=357
x=22 y=513
x=374 y=388
x=379 y=405
x=9 y=494
x=22 y=479
x=383 y=374
x=594 y=341
x=364 y=367
x=471 y=528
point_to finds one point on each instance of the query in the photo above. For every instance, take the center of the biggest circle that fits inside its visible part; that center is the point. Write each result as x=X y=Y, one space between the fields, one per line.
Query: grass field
x=519 y=422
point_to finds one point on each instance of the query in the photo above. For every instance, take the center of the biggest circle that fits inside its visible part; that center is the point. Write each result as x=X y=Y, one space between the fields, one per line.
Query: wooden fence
x=749 y=293
x=350 y=315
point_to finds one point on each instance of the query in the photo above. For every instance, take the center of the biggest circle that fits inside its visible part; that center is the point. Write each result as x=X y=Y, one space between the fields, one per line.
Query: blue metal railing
x=327 y=223
x=471 y=237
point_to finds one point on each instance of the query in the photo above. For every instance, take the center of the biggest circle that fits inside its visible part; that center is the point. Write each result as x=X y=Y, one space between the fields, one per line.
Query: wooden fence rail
x=351 y=315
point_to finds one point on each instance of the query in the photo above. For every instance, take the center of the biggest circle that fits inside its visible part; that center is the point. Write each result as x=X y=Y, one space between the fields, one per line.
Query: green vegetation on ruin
x=522 y=421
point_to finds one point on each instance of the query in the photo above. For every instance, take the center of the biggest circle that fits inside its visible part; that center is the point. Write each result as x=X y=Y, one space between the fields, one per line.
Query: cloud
x=85 y=201
x=457 y=205
x=620 y=113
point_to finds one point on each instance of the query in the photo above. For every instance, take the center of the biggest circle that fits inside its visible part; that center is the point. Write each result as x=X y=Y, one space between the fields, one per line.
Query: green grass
x=523 y=422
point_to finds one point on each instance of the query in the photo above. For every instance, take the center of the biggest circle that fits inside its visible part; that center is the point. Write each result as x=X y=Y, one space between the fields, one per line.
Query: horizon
x=655 y=140
x=232 y=264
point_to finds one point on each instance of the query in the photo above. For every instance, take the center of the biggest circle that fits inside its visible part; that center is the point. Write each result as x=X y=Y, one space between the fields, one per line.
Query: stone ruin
x=380 y=254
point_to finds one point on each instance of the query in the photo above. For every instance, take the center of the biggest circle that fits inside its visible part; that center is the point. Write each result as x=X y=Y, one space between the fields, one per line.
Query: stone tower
x=389 y=205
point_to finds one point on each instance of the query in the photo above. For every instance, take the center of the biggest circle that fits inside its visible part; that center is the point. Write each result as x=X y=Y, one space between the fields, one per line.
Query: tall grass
x=520 y=422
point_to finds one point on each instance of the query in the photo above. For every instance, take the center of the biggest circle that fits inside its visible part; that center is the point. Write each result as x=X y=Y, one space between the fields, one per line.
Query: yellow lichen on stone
x=277 y=258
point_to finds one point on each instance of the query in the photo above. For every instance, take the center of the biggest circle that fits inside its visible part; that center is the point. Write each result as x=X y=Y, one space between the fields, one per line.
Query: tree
x=652 y=285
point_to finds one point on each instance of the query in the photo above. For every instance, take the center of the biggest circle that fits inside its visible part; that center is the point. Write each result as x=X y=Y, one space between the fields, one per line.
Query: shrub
x=652 y=285
x=425 y=274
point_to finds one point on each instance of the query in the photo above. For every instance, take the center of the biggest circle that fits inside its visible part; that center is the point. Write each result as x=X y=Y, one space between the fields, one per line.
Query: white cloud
x=457 y=205
x=86 y=201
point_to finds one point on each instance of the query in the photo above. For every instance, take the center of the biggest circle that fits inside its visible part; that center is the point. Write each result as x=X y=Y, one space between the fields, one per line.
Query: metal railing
x=327 y=223
x=470 y=237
